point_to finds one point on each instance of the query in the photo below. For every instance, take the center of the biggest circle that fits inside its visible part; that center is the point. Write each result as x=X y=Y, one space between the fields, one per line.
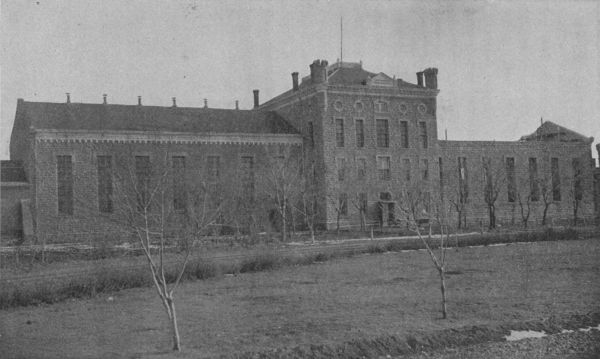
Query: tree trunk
x=575 y=210
x=337 y=224
x=544 y=214
x=443 y=288
x=174 y=329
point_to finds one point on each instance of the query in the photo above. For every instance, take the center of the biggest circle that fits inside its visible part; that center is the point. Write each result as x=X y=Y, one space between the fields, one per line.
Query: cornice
x=79 y=136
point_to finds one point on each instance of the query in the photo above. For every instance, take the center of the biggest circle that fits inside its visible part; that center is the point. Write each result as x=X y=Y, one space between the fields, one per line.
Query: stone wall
x=87 y=223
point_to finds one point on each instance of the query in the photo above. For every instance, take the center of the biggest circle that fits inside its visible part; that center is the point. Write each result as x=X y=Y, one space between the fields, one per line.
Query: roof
x=108 y=117
x=347 y=73
x=12 y=171
x=550 y=131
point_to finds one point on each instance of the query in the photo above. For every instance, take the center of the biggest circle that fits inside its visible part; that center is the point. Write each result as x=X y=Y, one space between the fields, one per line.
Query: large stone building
x=364 y=137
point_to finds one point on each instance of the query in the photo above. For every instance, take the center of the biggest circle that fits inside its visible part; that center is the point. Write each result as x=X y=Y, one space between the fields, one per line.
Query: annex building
x=361 y=138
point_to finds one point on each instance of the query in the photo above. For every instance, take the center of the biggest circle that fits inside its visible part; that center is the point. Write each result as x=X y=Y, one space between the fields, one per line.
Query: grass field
x=327 y=303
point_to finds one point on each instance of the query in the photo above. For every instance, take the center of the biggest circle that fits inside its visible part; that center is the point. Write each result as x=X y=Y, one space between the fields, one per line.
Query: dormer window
x=381 y=106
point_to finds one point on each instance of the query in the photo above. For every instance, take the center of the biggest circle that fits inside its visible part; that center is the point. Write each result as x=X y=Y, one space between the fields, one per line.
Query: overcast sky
x=502 y=64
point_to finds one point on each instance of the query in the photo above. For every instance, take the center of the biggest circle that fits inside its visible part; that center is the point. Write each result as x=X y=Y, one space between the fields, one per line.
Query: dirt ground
x=326 y=303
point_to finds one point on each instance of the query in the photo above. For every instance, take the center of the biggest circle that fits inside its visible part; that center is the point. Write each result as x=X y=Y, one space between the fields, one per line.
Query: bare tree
x=360 y=203
x=415 y=204
x=150 y=207
x=524 y=201
x=547 y=194
x=281 y=182
x=339 y=203
x=308 y=204
x=493 y=180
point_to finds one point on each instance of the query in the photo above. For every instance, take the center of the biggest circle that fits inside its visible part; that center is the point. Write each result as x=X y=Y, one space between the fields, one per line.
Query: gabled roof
x=12 y=171
x=550 y=131
x=107 y=117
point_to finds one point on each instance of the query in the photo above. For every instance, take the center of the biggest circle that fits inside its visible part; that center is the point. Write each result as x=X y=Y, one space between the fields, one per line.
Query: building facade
x=361 y=137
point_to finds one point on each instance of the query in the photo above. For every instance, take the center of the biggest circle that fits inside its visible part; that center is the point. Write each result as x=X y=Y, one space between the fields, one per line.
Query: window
x=425 y=169
x=341 y=169
x=104 y=164
x=381 y=106
x=64 y=169
x=213 y=168
x=383 y=168
x=343 y=204
x=142 y=175
x=360 y=133
x=311 y=134
x=577 y=179
x=247 y=174
x=339 y=132
x=403 y=134
x=406 y=167
x=555 y=174
x=179 y=192
x=534 y=185
x=383 y=133
x=463 y=180
x=423 y=134
x=510 y=179
x=361 y=165
x=362 y=202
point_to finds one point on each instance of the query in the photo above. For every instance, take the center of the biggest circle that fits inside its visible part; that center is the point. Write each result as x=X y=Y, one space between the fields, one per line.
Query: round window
x=359 y=106
x=403 y=108
x=422 y=108
x=338 y=105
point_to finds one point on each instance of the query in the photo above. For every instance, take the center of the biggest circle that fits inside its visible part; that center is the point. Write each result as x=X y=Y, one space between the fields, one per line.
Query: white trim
x=83 y=136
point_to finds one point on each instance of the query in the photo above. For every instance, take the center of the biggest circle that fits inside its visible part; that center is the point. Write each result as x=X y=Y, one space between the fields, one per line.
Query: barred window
x=341 y=169
x=381 y=106
x=555 y=179
x=343 y=204
x=511 y=179
x=213 y=168
x=406 y=167
x=179 y=192
x=383 y=168
x=362 y=202
x=383 y=133
x=463 y=180
x=64 y=169
x=577 y=179
x=534 y=185
x=339 y=132
x=423 y=134
x=425 y=169
x=404 y=134
x=311 y=134
x=142 y=175
x=360 y=133
x=361 y=165
x=105 y=190
x=247 y=169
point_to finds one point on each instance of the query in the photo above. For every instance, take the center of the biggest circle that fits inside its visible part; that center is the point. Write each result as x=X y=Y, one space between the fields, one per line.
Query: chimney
x=104 y=97
x=68 y=97
x=318 y=71
x=431 y=78
x=295 y=81
x=420 y=78
x=205 y=103
x=139 y=100
x=174 y=101
x=237 y=104
x=255 y=98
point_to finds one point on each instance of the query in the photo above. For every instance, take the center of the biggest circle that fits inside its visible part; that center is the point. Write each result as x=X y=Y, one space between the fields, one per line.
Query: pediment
x=381 y=80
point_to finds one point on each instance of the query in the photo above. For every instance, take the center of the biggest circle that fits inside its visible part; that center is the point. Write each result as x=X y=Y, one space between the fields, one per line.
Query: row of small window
x=384 y=172
x=381 y=106
x=382 y=128
x=143 y=177
x=547 y=187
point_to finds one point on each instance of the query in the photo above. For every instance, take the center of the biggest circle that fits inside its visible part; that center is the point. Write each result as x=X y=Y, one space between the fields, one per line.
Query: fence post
x=371 y=232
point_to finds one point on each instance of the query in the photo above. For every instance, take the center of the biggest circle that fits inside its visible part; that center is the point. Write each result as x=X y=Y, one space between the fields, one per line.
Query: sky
x=503 y=65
